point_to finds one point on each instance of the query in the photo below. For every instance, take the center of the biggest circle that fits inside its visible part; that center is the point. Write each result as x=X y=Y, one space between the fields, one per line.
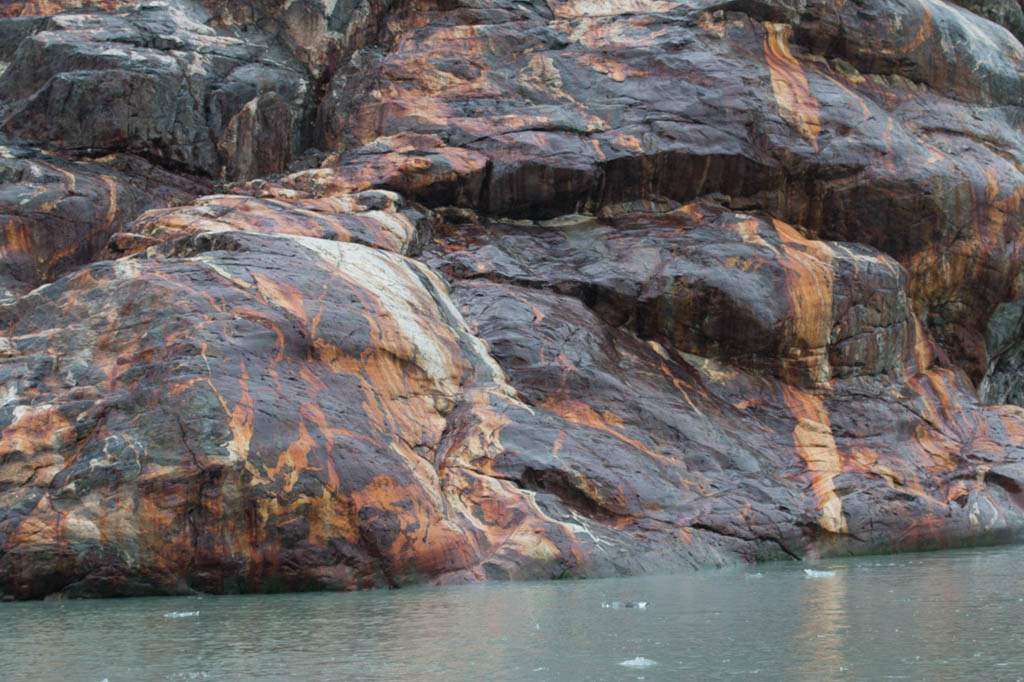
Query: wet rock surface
x=313 y=295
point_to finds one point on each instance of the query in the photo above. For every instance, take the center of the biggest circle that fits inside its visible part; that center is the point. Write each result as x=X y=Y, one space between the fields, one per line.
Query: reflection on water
x=943 y=616
x=820 y=646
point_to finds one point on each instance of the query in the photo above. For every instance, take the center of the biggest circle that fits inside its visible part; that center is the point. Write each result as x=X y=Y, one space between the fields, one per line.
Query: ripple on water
x=941 y=616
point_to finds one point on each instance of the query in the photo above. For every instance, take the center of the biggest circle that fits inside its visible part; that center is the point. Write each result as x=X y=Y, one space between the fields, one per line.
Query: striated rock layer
x=318 y=295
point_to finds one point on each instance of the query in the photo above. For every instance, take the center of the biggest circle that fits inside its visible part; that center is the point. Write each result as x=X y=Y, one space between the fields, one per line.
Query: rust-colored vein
x=815 y=445
x=796 y=104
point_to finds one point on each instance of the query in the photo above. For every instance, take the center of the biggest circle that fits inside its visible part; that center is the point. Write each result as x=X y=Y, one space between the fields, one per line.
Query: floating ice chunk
x=624 y=605
x=638 y=662
x=181 y=614
x=810 y=573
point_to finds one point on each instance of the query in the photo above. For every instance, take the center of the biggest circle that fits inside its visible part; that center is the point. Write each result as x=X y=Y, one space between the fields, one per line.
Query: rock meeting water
x=939 y=616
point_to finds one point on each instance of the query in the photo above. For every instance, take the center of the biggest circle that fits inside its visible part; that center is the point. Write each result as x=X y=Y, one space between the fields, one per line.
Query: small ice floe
x=753 y=576
x=811 y=573
x=638 y=662
x=181 y=614
x=624 y=605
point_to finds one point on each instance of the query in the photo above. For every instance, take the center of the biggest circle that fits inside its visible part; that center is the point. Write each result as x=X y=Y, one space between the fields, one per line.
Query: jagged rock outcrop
x=497 y=290
x=156 y=80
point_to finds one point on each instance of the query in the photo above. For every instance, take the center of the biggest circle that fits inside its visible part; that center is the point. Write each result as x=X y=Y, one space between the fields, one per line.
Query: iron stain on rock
x=318 y=295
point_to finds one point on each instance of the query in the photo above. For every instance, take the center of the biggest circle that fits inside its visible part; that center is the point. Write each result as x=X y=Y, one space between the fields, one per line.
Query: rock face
x=57 y=214
x=317 y=295
x=154 y=80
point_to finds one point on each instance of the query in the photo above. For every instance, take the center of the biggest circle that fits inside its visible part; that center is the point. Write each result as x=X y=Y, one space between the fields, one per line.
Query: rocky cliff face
x=311 y=294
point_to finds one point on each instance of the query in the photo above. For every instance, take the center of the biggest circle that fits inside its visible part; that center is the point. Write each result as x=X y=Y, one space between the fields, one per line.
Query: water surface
x=941 y=616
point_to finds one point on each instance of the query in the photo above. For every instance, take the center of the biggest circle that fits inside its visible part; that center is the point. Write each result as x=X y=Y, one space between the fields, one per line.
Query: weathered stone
x=721 y=278
x=375 y=218
x=686 y=448
x=243 y=411
x=154 y=80
x=1004 y=378
x=749 y=292
x=57 y=215
x=886 y=123
x=1004 y=12
x=45 y=8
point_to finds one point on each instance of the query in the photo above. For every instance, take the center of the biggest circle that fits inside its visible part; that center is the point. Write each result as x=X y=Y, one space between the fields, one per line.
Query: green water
x=942 y=616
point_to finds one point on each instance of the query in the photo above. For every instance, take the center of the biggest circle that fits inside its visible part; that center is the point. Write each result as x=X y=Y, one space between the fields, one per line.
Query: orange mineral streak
x=111 y=199
x=617 y=71
x=482 y=444
x=1012 y=419
x=815 y=445
x=332 y=218
x=937 y=273
x=424 y=541
x=924 y=348
x=282 y=295
x=99 y=230
x=36 y=429
x=896 y=473
x=924 y=530
x=809 y=288
x=925 y=32
x=501 y=519
x=41 y=528
x=16 y=237
x=505 y=521
x=45 y=8
x=241 y=418
x=580 y=413
x=807 y=265
x=331 y=516
x=294 y=459
x=29 y=447
x=940 y=407
x=339 y=361
x=796 y=104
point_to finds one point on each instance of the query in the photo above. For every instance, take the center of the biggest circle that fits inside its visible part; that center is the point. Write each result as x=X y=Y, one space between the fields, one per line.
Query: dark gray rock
x=1003 y=382
x=156 y=80
x=1004 y=12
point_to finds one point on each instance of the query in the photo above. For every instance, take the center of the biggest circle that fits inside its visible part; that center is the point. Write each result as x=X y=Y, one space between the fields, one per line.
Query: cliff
x=311 y=294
